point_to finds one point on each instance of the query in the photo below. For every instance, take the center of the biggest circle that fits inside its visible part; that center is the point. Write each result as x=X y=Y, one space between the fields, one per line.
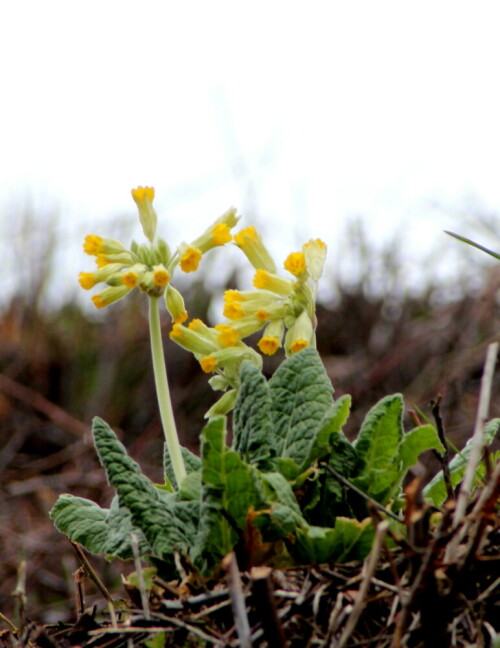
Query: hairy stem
x=163 y=392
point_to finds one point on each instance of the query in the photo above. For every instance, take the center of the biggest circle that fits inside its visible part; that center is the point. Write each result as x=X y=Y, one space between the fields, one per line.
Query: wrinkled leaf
x=191 y=462
x=82 y=521
x=377 y=447
x=167 y=524
x=100 y=531
x=230 y=489
x=333 y=420
x=301 y=393
x=253 y=437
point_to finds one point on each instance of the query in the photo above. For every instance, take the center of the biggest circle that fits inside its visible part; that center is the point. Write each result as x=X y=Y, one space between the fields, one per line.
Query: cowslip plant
x=273 y=495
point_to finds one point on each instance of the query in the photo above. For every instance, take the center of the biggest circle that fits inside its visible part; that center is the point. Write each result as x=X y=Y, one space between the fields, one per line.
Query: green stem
x=163 y=392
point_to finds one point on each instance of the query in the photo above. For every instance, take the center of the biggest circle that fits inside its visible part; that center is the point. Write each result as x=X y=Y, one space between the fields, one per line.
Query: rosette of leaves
x=269 y=496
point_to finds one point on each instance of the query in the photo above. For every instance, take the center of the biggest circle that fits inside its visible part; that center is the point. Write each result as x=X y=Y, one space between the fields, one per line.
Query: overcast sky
x=299 y=113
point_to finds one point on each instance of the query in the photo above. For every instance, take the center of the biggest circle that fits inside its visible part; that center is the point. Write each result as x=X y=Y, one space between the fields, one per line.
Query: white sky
x=299 y=113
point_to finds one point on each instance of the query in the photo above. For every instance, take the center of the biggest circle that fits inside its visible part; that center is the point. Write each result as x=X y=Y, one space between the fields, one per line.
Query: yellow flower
x=250 y=242
x=190 y=259
x=227 y=336
x=273 y=282
x=262 y=315
x=221 y=234
x=130 y=279
x=143 y=197
x=295 y=263
x=298 y=345
x=94 y=245
x=197 y=325
x=268 y=344
x=208 y=364
x=233 y=310
x=300 y=334
x=175 y=305
x=199 y=342
x=109 y=295
x=87 y=280
x=228 y=357
x=161 y=275
x=315 y=255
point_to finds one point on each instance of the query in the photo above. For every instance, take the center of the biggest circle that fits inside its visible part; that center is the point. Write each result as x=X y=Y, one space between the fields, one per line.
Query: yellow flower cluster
x=282 y=308
x=149 y=267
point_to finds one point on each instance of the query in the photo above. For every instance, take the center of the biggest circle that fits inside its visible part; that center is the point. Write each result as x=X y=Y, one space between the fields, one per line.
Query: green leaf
x=327 y=497
x=230 y=488
x=301 y=393
x=100 y=531
x=416 y=441
x=253 y=433
x=377 y=447
x=82 y=521
x=476 y=245
x=191 y=462
x=435 y=491
x=167 y=524
x=347 y=540
x=331 y=425
x=120 y=529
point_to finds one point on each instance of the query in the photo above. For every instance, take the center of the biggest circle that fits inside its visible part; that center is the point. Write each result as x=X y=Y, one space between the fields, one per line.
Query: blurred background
x=373 y=126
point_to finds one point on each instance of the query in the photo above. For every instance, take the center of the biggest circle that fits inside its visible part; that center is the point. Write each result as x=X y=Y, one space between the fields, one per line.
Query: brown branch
x=444 y=459
x=34 y=399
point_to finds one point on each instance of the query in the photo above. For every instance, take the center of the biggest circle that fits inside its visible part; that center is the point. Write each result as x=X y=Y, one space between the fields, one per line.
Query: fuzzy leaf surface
x=229 y=490
x=331 y=425
x=253 y=437
x=377 y=447
x=82 y=521
x=301 y=393
x=191 y=462
x=167 y=524
x=100 y=531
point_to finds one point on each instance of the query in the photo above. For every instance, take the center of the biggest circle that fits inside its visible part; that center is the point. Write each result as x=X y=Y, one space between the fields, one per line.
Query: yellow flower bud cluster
x=279 y=304
x=149 y=266
x=282 y=308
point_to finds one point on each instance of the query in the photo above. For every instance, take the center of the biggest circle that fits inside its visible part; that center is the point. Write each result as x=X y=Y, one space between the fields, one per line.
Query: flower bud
x=250 y=242
x=143 y=197
x=175 y=305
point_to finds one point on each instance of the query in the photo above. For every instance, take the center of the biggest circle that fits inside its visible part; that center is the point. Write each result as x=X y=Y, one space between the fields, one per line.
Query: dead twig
x=264 y=601
x=370 y=566
x=444 y=459
x=476 y=450
x=237 y=600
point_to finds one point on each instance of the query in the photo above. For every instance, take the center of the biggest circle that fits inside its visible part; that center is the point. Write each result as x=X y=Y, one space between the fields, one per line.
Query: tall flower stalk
x=163 y=392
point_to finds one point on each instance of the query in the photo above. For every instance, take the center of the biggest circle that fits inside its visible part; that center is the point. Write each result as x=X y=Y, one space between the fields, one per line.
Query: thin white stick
x=369 y=569
x=140 y=576
x=477 y=446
